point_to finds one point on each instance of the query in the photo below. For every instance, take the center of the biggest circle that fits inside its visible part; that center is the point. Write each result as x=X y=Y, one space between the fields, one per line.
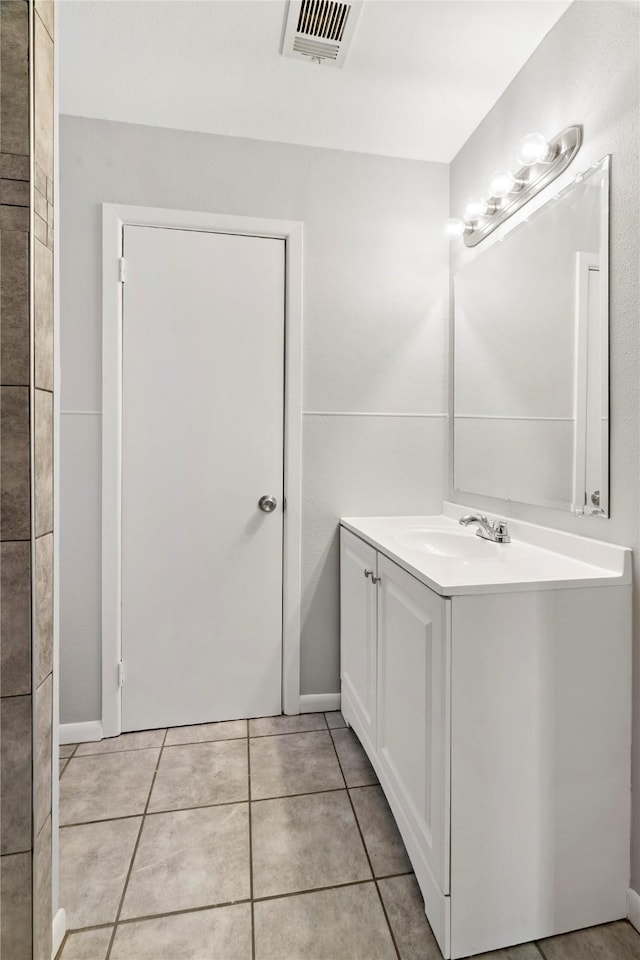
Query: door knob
x=267 y=504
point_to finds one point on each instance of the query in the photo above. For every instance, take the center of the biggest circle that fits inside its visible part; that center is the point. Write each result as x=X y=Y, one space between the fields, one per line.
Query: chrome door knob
x=267 y=504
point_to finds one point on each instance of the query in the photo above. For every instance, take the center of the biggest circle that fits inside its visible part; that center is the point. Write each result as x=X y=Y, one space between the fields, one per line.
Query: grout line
x=373 y=874
x=253 y=925
x=111 y=753
x=232 y=903
x=159 y=916
x=206 y=806
x=66 y=764
x=191 y=743
x=287 y=733
x=330 y=886
x=135 y=850
x=540 y=950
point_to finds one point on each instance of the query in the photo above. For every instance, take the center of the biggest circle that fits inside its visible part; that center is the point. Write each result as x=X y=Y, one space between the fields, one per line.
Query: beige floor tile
x=356 y=768
x=190 y=858
x=106 y=787
x=61 y=765
x=223 y=933
x=523 y=951
x=94 y=859
x=405 y=910
x=87 y=945
x=296 y=763
x=141 y=740
x=335 y=719
x=612 y=941
x=66 y=749
x=201 y=773
x=225 y=730
x=343 y=924
x=381 y=835
x=300 y=843
x=268 y=726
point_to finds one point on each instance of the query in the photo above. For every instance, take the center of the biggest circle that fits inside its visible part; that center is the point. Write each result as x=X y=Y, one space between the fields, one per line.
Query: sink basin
x=454 y=546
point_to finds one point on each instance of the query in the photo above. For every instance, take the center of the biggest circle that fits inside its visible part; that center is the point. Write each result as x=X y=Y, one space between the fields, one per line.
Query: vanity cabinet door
x=414 y=655
x=358 y=622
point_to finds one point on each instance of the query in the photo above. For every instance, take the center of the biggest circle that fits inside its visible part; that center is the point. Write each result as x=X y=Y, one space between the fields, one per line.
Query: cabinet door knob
x=368 y=573
x=376 y=579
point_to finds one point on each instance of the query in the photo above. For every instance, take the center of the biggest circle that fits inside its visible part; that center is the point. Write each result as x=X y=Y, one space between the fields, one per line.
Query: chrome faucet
x=497 y=532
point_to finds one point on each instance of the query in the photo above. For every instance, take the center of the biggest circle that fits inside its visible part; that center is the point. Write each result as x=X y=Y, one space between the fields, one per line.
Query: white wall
x=375 y=346
x=585 y=71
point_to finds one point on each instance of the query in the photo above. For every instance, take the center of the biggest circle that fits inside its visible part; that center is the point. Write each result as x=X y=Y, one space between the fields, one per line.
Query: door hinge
x=120 y=673
x=122 y=269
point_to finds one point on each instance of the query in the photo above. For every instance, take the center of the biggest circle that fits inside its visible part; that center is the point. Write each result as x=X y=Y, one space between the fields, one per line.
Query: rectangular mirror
x=531 y=357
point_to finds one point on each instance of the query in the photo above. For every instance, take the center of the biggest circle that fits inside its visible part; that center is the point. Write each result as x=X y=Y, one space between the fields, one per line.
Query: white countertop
x=538 y=558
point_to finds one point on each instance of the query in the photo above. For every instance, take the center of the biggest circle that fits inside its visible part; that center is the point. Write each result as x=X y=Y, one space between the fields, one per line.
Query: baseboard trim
x=58 y=930
x=319 y=702
x=633 y=908
x=85 y=732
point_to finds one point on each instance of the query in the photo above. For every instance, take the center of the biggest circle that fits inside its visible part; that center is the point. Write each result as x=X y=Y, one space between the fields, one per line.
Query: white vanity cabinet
x=358 y=630
x=499 y=726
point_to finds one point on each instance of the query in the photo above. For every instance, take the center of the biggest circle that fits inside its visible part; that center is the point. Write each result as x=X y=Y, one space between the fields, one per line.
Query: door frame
x=115 y=217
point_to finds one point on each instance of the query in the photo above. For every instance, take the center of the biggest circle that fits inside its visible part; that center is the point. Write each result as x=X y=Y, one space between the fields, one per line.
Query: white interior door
x=202 y=442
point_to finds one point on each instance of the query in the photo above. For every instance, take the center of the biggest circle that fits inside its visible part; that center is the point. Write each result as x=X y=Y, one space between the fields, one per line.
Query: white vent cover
x=320 y=30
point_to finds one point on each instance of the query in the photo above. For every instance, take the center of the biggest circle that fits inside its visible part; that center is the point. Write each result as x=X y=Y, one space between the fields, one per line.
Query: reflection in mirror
x=531 y=357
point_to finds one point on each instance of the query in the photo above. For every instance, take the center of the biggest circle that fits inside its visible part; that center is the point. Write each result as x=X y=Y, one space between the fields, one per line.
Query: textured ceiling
x=419 y=77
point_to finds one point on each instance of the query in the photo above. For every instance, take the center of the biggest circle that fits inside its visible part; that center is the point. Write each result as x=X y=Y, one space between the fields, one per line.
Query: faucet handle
x=502 y=531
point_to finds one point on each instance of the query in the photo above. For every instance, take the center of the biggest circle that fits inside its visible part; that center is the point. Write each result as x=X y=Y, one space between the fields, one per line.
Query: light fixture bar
x=534 y=178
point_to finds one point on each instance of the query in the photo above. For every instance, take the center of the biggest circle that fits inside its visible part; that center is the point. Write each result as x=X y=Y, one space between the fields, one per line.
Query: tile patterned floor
x=266 y=840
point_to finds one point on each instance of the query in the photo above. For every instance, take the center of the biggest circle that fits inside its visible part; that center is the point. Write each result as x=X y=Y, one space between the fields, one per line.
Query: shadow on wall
x=320 y=622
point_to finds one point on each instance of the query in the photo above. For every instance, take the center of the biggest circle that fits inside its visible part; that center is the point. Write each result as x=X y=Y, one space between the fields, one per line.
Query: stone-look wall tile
x=40 y=204
x=43 y=97
x=40 y=180
x=15 y=618
x=14 y=78
x=14 y=218
x=14 y=167
x=15 y=907
x=15 y=774
x=43 y=308
x=14 y=192
x=14 y=307
x=42 y=907
x=43 y=631
x=14 y=464
x=40 y=229
x=42 y=760
x=43 y=466
x=44 y=9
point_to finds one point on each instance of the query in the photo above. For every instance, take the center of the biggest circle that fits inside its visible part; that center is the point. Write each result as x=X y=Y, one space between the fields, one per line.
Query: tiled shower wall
x=26 y=524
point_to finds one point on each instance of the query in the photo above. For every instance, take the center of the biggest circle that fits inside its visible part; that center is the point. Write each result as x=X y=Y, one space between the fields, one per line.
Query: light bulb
x=455 y=227
x=475 y=209
x=534 y=148
x=502 y=183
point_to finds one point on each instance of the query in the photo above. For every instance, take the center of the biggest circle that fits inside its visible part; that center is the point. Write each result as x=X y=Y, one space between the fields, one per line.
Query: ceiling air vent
x=320 y=30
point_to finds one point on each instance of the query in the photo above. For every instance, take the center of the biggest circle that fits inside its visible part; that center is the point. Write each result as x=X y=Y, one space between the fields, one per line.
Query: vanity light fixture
x=476 y=209
x=534 y=148
x=542 y=161
x=503 y=183
x=455 y=227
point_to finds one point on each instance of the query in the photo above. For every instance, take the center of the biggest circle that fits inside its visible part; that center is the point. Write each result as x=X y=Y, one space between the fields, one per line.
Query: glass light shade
x=475 y=209
x=455 y=227
x=502 y=183
x=534 y=148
